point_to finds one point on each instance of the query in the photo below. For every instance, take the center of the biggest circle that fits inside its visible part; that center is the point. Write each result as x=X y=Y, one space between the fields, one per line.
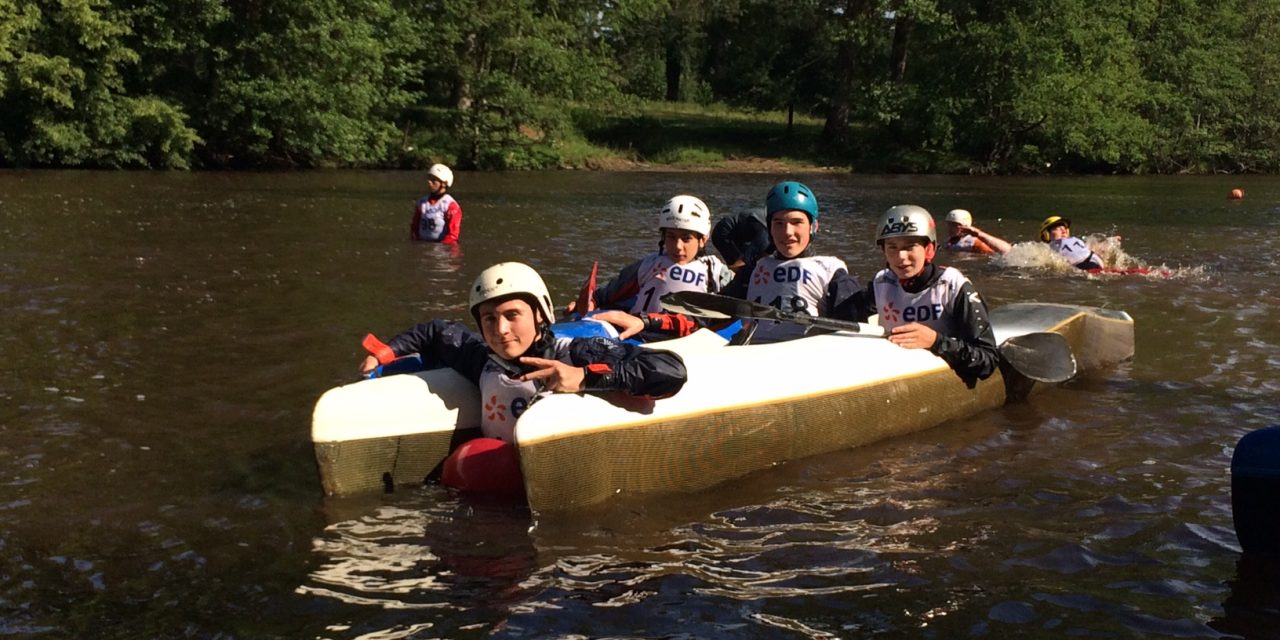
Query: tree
x=516 y=64
x=62 y=89
x=304 y=82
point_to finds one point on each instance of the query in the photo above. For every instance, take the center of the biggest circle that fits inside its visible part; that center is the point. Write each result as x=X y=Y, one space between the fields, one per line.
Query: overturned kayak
x=577 y=450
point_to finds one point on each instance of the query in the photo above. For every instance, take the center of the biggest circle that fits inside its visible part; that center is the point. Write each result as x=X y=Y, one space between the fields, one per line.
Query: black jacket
x=741 y=237
x=970 y=350
x=616 y=366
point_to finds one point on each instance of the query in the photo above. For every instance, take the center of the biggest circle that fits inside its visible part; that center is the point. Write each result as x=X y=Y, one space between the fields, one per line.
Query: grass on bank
x=686 y=136
x=692 y=136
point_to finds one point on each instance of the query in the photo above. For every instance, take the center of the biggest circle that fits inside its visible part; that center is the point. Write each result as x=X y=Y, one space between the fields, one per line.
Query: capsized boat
x=731 y=418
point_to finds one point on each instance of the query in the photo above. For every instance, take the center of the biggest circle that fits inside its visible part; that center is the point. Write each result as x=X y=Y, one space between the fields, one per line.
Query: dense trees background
x=979 y=85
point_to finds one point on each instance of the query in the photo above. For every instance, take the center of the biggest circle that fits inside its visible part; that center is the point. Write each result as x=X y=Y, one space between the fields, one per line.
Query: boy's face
x=906 y=256
x=1059 y=232
x=509 y=327
x=682 y=245
x=791 y=232
x=436 y=185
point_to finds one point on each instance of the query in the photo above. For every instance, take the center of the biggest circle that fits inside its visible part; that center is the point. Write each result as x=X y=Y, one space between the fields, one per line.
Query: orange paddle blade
x=584 y=303
x=378 y=348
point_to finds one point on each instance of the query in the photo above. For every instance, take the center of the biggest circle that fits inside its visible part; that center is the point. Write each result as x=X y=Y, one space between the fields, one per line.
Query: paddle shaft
x=1041 y=356
x=714 y=305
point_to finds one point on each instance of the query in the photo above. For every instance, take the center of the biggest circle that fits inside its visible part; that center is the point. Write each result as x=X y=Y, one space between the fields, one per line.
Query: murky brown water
x=163 y=338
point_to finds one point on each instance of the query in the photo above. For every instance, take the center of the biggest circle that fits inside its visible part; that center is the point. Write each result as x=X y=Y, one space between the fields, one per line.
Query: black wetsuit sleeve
x=740 y=237
x=615 y=366
x=971 y=351
x=723 y=237
x=737 y=287
x=755 y=239
x=441 y=343
x=623 y=286
x=847 y=300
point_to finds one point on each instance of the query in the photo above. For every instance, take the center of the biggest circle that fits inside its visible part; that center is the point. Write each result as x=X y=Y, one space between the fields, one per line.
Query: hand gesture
x=556 y=376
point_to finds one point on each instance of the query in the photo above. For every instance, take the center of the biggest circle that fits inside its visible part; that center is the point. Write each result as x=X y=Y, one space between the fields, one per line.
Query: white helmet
x=960 y=216
x=507 y=279
x=907 y=221
x=441 y=173
x=686 y=212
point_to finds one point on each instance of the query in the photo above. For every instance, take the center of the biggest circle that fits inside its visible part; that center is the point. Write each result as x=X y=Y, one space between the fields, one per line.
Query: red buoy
x=484 y=465
x=1237 y=194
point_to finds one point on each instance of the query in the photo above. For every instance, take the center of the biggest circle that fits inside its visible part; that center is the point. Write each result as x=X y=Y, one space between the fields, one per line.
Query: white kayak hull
x=732 y=417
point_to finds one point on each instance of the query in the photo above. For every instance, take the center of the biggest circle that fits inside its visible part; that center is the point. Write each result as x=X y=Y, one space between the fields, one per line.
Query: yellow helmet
x=1051 y=222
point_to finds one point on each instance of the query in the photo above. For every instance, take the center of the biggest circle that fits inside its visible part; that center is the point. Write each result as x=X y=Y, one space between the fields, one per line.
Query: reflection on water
x=409 y=569
x=165 y=336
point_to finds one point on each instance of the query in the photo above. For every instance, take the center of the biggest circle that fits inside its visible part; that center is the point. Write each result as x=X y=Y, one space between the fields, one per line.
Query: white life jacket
x=897 y=307
x=503 y=399
x=431 y=217
x=962 y=243
x=798 y=285
x=1072 y=248
x=659 y=275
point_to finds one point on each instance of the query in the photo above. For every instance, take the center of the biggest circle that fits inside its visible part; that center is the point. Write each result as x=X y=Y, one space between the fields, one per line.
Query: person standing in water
x=437 y=217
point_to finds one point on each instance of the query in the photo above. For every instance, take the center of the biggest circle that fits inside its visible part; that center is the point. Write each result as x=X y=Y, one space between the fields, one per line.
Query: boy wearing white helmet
x=967 y=238
x=437 y=217
x=680 y=264
x=516 y=356
x=925 y=306
x=791 y=278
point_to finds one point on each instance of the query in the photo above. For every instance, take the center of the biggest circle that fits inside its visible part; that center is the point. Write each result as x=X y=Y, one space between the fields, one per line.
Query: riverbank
x=666 y=136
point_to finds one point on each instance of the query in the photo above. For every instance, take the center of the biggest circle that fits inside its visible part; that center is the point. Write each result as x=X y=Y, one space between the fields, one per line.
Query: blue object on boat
x=583 y=329
x=727 y=332
x=1255 y=490
x=404 y=364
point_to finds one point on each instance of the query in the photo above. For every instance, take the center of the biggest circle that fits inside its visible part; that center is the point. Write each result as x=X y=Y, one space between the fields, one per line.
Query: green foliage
x=307 y=83
x=996 y=85
x=62 y=88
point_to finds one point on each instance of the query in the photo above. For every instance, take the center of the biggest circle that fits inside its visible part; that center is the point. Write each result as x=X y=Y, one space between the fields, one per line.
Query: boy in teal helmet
x=790 y=277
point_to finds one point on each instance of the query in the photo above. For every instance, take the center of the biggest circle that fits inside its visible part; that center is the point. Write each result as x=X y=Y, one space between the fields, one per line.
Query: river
x=164 y=337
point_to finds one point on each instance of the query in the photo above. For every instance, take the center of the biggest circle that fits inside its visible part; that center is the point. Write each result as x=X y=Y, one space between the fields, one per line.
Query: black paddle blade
x=1043 y=356
x=710 y=305
x=679 y=302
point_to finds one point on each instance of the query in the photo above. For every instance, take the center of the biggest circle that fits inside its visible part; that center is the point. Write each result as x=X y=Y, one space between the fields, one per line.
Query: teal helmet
x=791 y=196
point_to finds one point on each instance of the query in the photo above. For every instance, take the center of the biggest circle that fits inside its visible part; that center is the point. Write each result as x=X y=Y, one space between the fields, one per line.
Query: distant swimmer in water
x=965 y=237
x=1056 y=230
